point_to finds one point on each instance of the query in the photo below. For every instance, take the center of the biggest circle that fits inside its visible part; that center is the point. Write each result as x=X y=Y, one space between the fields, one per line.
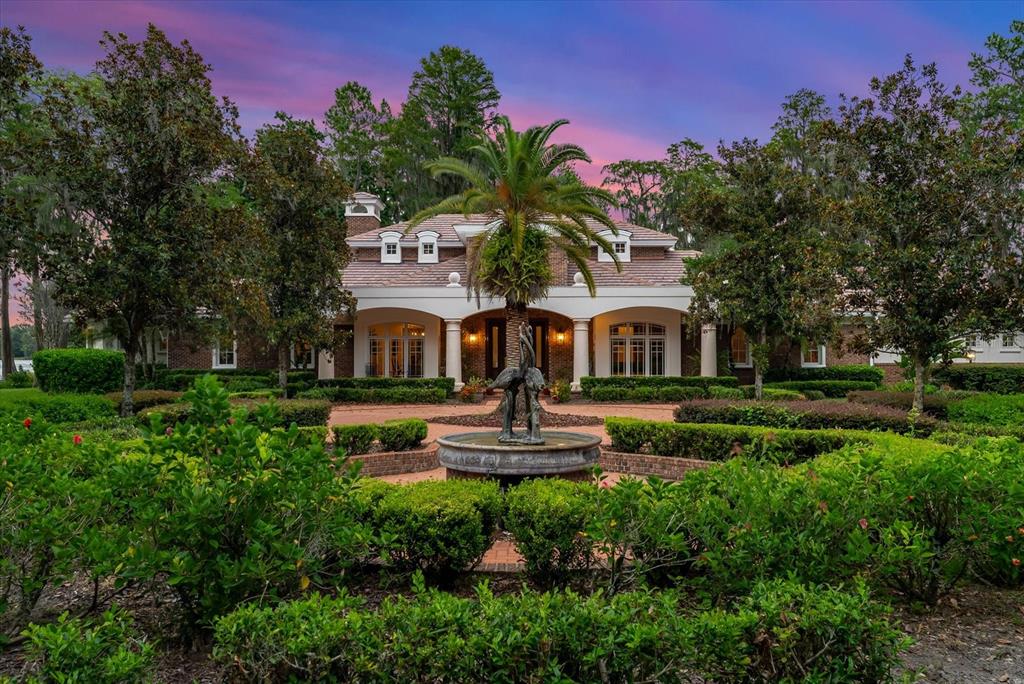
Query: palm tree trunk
x=515 y=315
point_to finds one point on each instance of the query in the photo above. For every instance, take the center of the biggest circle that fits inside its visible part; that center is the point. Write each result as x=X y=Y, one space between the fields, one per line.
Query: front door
x=494 y=347
x=540 y=345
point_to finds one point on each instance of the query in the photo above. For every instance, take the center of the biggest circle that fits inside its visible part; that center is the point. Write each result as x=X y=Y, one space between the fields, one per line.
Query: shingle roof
x=444 y=226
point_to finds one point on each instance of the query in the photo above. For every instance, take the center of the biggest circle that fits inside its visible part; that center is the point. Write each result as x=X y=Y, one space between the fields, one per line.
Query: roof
x=444 y=226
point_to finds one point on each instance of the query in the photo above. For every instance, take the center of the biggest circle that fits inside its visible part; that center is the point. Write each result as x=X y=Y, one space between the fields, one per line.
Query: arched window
x=396 y=350
x=637 y=349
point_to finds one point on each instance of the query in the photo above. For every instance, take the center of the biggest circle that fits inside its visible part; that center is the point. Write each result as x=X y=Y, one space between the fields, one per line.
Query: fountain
x=511 y=456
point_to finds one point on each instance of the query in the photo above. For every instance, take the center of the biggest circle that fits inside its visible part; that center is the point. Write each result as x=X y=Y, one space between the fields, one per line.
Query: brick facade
x=474 y=336
x=357 y=225
x=190 y=352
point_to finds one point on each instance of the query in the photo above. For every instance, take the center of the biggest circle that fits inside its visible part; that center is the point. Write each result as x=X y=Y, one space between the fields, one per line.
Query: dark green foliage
x=667 y=393
x=393 y=395
x=547 y=518
x=830 y=388
x=772 y=393
x=143 y=399
x=982 y=377
x=234 y=379
x=18 y=380
x=78 y=370
x=989 y=409
x=717 y=442
x=303 y=412
x=447 y=384
x=935 y=405
x=439 y=527
x=402 y=435
x=105 y=650
x=16 y=405
x=589 y=383
x=782 y=632
x=811 y=415
x=860 y=373
x=352 y=440
x=715 y=392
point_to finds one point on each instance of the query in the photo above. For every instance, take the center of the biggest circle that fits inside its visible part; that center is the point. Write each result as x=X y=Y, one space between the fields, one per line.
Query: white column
x=325 y=365
x=453 y=350
x=709 y=350
x=580 y=351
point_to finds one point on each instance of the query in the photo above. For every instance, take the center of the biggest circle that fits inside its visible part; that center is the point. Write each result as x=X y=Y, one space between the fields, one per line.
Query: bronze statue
x=529 y=377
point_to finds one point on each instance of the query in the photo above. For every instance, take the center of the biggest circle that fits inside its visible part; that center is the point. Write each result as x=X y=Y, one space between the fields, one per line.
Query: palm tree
x=525 y=184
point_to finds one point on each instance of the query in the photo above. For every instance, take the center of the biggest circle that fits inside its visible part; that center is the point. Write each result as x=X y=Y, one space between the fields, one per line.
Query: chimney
x=362 y=213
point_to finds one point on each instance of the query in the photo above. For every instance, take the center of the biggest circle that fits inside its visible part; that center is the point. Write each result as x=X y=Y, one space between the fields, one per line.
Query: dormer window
x=428 y=246
x=390 y=248
x=620 y=246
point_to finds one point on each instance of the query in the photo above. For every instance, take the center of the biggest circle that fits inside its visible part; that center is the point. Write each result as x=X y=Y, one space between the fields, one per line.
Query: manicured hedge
x=668 y=394
x=830 y=388
x=589 y=383
x=87 y=371
x=772 y=394
x=352 y=440
x=143 y=399
x=440 y=527
x=989 y=409
x=982 y=377
x=811 y=415
x=401 y=435
x=547 y=518
x=935 y=405
x=18 y=404
x=379 y=383
x=782 y=632
x=395 y=395
x=302 y=412
x=710 y=442
x=235 y=379
x=862 y=373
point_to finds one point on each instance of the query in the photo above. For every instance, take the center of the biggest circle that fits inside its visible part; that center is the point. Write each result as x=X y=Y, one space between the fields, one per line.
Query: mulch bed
x=494 y=420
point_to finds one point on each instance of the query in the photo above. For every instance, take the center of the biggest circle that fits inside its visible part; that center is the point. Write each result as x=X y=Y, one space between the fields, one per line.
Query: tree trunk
x=282 y=364
x=5 y=322
x=515 y=315
x=762 y=340
x=128 y=391
x=37 y=307
x=919 y=379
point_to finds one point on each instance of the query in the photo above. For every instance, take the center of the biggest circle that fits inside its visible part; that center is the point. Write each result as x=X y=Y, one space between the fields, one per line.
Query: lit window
x=637 y=349
x=396 y=350
x=812 y=355
x=225 y=353
x=739 y=349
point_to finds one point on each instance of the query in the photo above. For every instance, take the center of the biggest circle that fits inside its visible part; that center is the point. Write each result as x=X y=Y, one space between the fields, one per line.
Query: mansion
x=414 y=317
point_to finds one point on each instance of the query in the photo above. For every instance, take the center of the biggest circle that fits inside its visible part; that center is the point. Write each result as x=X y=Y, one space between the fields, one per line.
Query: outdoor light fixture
x=560 y=337
x=472 y=338
x=970 y=357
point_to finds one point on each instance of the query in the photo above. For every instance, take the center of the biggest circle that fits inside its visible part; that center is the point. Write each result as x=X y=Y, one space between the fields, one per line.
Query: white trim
x=750 y=352
x=427 y=237
x=821 y=357
x=624 y=237
x=388 y=238
x=215 y=363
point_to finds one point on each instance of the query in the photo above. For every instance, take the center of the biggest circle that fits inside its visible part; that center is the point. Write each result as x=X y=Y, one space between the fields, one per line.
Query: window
x=637 y=349
x=812 y=355
x=390 y=249
x=396 y=350
x=302 y=356
x=225 y=353
x=739 y=349
x=1009 y=341
x=620 y=247
x=428 y=247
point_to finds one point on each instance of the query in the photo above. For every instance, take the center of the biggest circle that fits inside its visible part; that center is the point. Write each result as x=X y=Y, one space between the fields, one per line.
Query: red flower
x=822 y=506
x=863 y=522
x=27 y=423
x=910 y=498
x=231 y=421
x=77 y=439
x=1016 y=561
x=605 y=484
x=169 y=431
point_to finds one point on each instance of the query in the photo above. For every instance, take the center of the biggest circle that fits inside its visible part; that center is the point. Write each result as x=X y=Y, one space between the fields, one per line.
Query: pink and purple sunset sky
x=632 y=77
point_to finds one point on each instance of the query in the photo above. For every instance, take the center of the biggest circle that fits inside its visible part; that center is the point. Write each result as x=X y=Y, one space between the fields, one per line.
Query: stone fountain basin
x=481 y=453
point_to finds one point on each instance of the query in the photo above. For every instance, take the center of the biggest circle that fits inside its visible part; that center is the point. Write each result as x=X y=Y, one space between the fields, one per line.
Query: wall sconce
x=970 y=357
x=472 y=338
x=560 y=337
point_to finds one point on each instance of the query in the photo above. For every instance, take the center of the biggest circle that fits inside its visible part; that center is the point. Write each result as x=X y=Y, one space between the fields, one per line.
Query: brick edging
x=665 y=467
x=397 y=462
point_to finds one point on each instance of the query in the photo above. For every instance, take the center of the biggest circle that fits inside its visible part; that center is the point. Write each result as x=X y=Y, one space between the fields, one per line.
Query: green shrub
x=87 y=371
x=771 y=394
x=833 y=389
x=861 y=373
x=16 y=405
x=381 y=383
x=395 y=395
x=989 y=409
x=143 y=399
x=811 y=415
x=303 y=412
x=643 y=394
x=908 y=386
x=18 y=380
x=719 y=442
x=236 y=379
x=402 y=435
x=982 y=377
x=561 y=391
x=354 y=439
x=813 y=395
x=439 y=527
x=725 y=392
x=102 y=651
x=589 y=383
x=547 y=518
x=783 y=632
x=234 y=509
x=275 y=392
x=670 y=394
x=935 y=405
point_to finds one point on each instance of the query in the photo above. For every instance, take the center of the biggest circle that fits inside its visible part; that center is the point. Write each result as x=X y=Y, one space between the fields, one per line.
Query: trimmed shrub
x=352 y=440
x=718 y=442
x=440 y=527
x=989 y=409
x=935 y=405
x=275 y=392
x=143 y=399
x=834 y=389
x=982 y=377
x=547 y=518
x=725 y=392
x=772 y=394
x=303 y=412
x=18 y=380
x=861 y=373
x=394 y=395
x=782 y=632
x=382 y=383
x=85 y=371
x=106 y=650
x=589 y=383
x=811 y=415
x=402 y=435
x=16 y=405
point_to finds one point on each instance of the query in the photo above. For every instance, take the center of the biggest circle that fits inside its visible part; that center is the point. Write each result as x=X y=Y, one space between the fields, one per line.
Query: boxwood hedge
x=982 y=377
x=87 y=371
x=811 y=415
x=589 y=383
x=861 y=373
x=830 y=388
x=302 y=412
